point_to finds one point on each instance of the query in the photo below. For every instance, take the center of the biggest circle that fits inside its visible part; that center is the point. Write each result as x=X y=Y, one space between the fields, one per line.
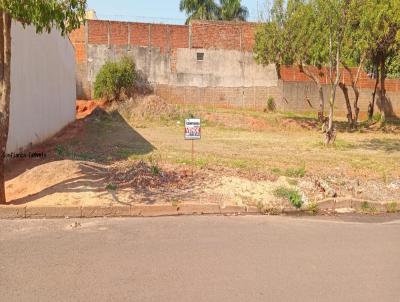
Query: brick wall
x=208 y=35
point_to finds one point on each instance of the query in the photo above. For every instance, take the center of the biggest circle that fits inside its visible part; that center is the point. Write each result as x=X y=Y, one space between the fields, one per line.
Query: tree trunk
x=316 y=80
x=348 y=105
x=5 y=91
x=372 y=103
x=356 y=108
x=321 y=115
x=382 y=92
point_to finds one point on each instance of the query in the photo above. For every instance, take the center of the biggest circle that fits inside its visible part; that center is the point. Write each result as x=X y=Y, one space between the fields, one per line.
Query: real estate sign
x=192 y=129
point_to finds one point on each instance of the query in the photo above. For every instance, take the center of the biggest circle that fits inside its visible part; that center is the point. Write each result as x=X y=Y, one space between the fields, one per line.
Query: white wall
x=43 y=91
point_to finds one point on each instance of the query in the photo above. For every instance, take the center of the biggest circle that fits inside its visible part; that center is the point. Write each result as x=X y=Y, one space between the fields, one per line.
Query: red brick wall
x=77 y=38
x=98 y=32
x=216 y=35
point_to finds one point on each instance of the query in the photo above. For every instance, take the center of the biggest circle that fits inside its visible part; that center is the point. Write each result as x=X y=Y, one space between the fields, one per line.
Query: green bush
x=115 y=79
x=271 y=106
x=290 y=194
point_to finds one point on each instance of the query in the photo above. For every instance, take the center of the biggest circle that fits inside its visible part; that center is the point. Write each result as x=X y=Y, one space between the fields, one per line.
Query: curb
x=22 y=212
x=350 y=203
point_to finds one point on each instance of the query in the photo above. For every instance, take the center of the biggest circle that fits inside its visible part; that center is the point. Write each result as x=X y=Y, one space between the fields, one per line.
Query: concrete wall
x=43 y=92
x=167 y=55
x=303 y=97
x=219 y=68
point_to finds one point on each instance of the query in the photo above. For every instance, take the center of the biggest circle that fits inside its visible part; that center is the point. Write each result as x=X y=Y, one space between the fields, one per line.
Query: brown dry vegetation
x=242 y=158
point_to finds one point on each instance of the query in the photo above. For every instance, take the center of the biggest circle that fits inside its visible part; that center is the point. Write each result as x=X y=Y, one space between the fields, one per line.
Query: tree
x=310 y=35
x=292 y=36
x=199 y=9
x=232 y=10
x=381 y=22
x=64 y=15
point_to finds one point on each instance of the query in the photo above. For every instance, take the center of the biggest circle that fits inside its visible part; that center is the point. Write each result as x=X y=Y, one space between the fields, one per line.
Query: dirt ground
x=135 y=153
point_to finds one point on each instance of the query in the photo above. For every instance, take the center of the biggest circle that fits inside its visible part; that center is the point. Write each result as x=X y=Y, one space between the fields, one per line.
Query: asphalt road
x=199 y=259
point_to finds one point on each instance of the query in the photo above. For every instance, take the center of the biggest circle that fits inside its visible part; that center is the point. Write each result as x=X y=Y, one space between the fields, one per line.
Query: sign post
x=192 y=133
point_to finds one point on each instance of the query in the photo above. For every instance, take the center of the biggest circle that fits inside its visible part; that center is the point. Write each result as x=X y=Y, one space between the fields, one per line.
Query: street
x=200 y=258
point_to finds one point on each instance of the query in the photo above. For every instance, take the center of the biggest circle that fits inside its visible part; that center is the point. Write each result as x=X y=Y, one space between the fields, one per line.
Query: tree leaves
x=65 y=15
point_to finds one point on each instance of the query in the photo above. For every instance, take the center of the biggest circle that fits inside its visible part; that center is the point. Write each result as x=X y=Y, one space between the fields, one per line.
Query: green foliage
x=290 y=194
x=111 y=187
x=232 y=10
x=296 y=172
x=229 y=10
x=199 y=9
x=65 y=15
x=271 y=106
x=391 y=207
x=312 y=207
x=115 y=78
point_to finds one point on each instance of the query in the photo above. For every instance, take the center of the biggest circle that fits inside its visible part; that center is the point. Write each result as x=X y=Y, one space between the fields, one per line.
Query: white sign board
x=192 y=129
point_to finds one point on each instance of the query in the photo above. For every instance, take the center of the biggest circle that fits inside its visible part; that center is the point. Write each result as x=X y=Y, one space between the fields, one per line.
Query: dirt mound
x=85 y=108
x=142 y=175
x=149 y=107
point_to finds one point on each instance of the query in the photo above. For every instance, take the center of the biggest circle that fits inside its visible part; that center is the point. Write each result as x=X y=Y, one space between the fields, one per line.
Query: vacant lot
x=243 y=157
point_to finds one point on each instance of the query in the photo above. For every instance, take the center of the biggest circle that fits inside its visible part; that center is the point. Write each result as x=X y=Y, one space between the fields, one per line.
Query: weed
x=391 y=207
x=290 y=194
x=60 y=151
x=111 y=187
x=312 y=207
x=155 y=169
x=271 y=106
x=296 y=172
x=365 y=206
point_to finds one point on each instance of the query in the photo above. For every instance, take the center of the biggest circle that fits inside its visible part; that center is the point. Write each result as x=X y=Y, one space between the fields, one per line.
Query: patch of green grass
x=391 y=207
x=60 y=151
x=111 y=187
x=341 y=144
x=366 y=207
x=290 y=194
x=63 y=152
x=296 y=172
x=239 y=163
x=155 y=169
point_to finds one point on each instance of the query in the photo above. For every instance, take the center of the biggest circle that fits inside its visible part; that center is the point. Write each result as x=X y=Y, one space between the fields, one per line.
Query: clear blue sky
x=164 y=11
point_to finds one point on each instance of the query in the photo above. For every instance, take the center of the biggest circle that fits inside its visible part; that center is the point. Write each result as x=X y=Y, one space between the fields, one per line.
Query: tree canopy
x=65 y=15
x=228 y=10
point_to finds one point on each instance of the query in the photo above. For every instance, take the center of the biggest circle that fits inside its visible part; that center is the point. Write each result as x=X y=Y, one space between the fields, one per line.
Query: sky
x=159 y=11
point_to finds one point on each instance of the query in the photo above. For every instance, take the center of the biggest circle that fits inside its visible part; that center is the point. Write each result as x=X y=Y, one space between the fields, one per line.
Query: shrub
x=271 y=106
x=290 y=194
x=114 y=79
